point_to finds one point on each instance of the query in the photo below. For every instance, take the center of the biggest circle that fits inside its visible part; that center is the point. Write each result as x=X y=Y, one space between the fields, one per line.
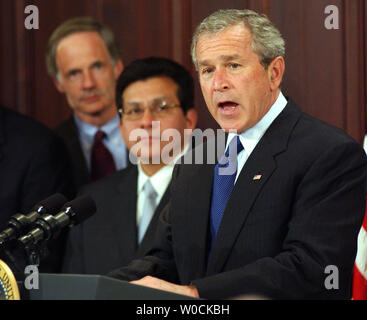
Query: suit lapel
x=70 y=134
x=126 y=212
x=244 y=194
x=198 y=212
x=80 y=161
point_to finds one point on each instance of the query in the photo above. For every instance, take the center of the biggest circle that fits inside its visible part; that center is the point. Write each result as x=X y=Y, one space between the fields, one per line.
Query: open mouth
x=227 y=107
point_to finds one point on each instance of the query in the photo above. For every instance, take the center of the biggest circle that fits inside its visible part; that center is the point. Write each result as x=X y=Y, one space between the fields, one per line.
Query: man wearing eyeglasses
x=154 y=98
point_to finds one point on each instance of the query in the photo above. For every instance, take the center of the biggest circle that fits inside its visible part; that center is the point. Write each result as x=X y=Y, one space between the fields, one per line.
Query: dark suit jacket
x=33 y=166
x=279 y=233
x=108 y=239
x=68 y=132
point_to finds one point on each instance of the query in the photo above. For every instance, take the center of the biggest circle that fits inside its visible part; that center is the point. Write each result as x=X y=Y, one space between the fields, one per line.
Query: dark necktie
x=224 y=177
x=102 y=161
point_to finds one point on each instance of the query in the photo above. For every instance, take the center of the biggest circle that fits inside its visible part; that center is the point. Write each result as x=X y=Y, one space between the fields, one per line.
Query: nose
x=221 y=82
x=146 y=120
x=88 y=80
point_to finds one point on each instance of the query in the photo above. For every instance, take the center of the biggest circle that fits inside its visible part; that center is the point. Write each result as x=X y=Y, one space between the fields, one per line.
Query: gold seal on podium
x=8 y=285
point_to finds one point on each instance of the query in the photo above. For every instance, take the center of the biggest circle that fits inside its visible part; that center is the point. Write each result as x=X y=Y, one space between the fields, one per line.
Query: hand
x=156 y=283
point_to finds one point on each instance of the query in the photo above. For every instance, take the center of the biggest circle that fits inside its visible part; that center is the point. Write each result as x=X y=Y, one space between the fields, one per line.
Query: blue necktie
x=224 y=177
x=148 y=209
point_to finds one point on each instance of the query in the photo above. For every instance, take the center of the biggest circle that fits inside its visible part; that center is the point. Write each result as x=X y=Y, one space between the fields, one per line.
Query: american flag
x=360 y=266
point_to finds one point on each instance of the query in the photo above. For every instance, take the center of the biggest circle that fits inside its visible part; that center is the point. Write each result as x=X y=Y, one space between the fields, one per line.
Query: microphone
x=19 y=223
x=48 y=226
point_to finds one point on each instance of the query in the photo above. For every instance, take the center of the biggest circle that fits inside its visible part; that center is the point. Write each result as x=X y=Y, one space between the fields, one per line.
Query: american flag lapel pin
x=257 y=177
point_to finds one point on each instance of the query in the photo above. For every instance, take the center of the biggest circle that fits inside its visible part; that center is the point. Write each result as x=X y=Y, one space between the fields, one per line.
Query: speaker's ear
x=275 y=72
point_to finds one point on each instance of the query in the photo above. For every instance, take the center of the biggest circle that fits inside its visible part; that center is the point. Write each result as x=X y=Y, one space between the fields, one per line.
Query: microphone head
x=51 y=205
x=80 y=209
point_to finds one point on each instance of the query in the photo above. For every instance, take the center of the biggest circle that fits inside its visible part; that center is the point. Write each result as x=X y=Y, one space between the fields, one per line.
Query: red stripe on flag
x=365 y=222
x=359 y=285
x=365 y=217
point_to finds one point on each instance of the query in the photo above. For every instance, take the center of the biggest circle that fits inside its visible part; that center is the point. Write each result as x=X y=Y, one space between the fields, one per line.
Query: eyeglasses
x=158 y=107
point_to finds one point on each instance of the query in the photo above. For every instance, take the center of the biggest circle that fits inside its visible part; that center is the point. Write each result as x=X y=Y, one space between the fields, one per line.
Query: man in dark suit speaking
x=292 y=210
x=150 y=91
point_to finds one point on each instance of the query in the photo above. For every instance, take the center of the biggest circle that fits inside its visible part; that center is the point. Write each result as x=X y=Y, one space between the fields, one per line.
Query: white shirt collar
x=87 y=131
x=250 y=137
x=161 y=179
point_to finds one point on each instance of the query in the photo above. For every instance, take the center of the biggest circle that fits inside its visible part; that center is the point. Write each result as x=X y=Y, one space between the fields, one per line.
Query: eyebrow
x=134 y=102
x=90 y=66
x=224 y=58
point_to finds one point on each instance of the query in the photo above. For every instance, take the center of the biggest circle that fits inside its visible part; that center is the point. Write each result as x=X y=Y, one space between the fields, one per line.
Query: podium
x=91 y=287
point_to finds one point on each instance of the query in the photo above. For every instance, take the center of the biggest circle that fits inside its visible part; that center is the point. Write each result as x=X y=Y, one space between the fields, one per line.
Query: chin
x=230 y=127
x=96 y=107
